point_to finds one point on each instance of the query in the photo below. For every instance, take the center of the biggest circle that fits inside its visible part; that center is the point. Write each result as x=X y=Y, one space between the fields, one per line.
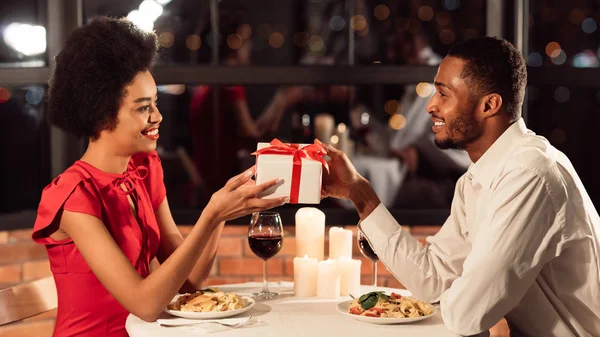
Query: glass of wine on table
x=265 y=237
x=366 y=249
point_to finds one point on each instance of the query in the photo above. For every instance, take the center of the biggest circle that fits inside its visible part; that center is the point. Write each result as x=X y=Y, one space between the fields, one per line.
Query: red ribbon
x=314 y=151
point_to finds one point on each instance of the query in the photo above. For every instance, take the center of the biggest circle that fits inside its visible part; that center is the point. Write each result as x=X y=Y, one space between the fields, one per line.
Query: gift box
x=300 y=166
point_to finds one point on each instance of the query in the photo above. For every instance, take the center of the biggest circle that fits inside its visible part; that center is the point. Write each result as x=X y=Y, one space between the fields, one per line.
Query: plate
x=213 y=314
x=343 y=307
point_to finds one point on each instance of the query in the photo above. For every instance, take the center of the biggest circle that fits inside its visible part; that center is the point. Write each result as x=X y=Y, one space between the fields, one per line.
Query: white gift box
x=280 y=166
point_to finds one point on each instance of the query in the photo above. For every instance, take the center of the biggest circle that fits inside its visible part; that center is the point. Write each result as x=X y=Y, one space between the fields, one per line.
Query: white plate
x=343 y=307
x=213 y=314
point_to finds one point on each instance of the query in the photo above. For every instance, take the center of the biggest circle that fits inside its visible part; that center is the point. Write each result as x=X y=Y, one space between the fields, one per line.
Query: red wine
x=265 y=246
x=366 y=249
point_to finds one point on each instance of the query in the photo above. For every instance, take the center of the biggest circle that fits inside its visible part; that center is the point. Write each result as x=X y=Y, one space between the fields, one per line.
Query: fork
x=228 y=325
x=236 y=325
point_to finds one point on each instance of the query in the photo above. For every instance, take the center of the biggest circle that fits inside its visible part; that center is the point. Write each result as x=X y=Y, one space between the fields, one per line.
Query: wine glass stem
x=265 y=281
x=374 y=273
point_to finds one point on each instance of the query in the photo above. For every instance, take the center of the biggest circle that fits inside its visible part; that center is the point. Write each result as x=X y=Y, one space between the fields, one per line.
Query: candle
x=328 y=279
x=310 y=233
x=305 y=276
x=349 y=276
x=324 y=127
x=340 y=242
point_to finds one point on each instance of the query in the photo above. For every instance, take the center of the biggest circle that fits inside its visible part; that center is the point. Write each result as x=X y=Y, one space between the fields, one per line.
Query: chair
x=27 y=299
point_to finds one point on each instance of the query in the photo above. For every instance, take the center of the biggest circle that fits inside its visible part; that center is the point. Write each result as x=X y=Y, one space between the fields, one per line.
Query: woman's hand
x=240 y=196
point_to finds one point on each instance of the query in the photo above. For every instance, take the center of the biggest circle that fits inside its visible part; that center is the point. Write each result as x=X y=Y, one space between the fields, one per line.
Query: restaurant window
x=206 y=137
x=23 y=33
x=24 y=147
x=564 y=106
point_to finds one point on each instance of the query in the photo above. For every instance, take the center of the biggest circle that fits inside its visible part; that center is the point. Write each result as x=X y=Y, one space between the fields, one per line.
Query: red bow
x=314 y=151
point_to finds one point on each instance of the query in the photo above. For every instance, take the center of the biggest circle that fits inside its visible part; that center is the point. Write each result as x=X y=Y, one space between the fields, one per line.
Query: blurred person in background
x=237 y=129
x=107 y=216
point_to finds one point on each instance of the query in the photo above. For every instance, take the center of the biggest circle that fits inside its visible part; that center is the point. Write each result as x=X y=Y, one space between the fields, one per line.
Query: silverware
x=247 y=321
x=236 y=325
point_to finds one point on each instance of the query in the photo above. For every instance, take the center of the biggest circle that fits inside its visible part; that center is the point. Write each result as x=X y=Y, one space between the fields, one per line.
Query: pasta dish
x=378 y=304
x=207 y=301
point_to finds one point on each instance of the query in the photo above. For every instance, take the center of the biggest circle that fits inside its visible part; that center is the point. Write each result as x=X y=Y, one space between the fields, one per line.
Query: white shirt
x=521 y=242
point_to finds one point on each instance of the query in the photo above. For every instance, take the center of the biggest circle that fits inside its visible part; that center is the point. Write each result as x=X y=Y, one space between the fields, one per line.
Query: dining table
x=291 y=316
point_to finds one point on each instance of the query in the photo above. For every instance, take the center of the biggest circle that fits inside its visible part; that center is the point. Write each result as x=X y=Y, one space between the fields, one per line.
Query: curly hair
x=97 y=62
x=494 y=66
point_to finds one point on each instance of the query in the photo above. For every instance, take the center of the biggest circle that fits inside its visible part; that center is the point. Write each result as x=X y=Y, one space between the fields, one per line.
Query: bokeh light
x=234 y=41
x=358 y=22
x=381 y=12
x=276 y=40
x=397 y=122
x=166 y=39
x=425 y=13
x=391 y=106
x=193 y=42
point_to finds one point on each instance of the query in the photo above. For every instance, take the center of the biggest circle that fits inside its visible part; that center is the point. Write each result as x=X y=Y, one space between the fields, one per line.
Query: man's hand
x=342 y=175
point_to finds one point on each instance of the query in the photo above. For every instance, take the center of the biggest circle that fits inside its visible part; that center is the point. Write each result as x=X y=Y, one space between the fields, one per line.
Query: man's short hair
x=494 y=65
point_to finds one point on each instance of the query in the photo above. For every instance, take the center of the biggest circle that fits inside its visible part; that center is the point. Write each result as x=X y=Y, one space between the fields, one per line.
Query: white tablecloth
x=288 y=316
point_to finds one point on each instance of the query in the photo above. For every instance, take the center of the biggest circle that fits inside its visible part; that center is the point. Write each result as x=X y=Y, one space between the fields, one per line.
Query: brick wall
x=23 y=260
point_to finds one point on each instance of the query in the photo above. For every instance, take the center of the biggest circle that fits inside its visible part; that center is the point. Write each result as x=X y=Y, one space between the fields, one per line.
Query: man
x=522 y=239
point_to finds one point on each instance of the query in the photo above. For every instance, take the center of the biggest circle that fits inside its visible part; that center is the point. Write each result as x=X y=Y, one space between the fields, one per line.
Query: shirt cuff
x=379 y=226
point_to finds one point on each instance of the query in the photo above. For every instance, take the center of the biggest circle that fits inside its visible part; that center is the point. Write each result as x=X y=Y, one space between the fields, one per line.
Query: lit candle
x=305 y=276
x=324 y=127
x=340 y=242
x=349 y=276
x=310 y=233
x=328 y=279
x=343 y=135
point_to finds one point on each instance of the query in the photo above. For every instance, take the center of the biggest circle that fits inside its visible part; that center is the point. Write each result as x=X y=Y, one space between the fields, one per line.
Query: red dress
x=85 y=307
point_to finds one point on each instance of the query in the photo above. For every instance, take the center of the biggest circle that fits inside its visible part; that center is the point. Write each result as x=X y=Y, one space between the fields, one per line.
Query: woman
x=106 y=217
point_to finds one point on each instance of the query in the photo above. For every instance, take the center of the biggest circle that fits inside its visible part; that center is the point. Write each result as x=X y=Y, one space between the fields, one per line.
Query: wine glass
x=265 y=237
x=367 y=251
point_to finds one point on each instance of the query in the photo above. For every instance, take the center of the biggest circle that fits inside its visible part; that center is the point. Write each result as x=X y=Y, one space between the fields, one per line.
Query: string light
x=553 y=49
x=315 y=43
x=424 y=89
x=234 y=41
x=358 y=22
x=391 y=106
x=276 y=39
x=381 y=12
x=425 y=13
x=397 y=122
x=193 y=42
x=4 y=95
x=166 y=39
x=447 y=36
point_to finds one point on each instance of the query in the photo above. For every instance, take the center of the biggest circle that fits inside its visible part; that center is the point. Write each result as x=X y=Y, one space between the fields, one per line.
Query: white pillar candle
x=305 y=276
x=343 y=139
x=340 y=243
x=328 y=279
x=310 y=233
x=324 y=127
x=349 y=276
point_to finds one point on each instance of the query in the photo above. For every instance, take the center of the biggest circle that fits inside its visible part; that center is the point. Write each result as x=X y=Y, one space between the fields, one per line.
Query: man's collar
x=490 y=163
